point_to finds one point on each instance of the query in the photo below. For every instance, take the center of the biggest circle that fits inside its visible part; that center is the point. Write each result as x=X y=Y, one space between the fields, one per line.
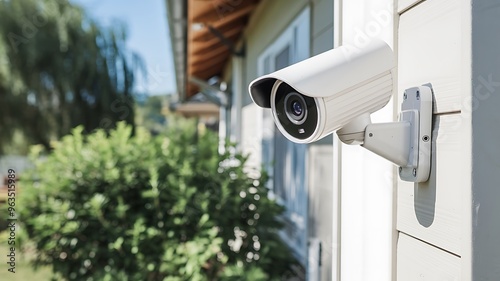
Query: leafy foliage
x=59 y=69
x=138 y=207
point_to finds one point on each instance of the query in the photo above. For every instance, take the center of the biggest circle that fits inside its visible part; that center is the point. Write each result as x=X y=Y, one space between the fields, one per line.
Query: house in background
x=347 y=208
x=219 y=47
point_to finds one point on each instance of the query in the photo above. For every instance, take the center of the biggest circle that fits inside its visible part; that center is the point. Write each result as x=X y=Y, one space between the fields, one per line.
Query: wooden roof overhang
x=213 y=30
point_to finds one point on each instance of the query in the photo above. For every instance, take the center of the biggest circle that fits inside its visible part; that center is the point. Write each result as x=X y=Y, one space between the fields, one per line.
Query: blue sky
x=148 y=36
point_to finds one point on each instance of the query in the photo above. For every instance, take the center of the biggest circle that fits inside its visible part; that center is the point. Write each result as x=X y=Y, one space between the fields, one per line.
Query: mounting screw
x=418 y=95
x=370 y=135
x=425 y=138
x=405 y=96
x=414 y=172
x=400 y=169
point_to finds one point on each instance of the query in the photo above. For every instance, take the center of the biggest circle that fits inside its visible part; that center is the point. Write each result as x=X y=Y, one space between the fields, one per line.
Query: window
x=283 y=159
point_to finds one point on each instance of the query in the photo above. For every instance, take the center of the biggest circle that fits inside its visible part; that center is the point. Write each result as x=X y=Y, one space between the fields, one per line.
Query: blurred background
x=65 y=63
x=131 y=150
x=119 y=156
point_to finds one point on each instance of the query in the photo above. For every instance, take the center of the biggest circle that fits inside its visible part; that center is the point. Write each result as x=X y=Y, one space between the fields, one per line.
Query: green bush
x=137 y=207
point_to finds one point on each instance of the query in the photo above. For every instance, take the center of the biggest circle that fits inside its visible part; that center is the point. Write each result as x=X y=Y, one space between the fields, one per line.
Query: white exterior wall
x=434 y=46
x=432 y=213
x=446 y=228
x=449 y=226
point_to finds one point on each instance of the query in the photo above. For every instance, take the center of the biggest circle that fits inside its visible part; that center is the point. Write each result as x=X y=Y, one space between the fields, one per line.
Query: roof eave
x=177 y=22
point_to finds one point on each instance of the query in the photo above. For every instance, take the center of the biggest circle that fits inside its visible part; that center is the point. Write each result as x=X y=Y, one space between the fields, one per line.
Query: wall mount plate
x=417 y=110
x=407 y=142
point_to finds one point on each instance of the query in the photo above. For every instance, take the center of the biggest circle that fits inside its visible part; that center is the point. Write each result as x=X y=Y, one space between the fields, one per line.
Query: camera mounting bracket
x=417 y=109
x=406 y=143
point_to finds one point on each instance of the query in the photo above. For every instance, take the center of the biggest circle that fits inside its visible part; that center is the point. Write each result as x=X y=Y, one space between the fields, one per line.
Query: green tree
x=59 y=69
x=170 y=207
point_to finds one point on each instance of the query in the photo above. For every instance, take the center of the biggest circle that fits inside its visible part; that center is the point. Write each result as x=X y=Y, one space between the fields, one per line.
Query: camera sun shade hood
x=328 y=73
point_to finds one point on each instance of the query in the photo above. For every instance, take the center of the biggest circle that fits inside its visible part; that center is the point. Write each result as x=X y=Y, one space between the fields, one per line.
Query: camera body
x=337 y=91
x=322 y=94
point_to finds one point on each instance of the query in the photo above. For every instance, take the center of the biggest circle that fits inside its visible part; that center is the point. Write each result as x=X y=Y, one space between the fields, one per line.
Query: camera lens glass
x=297 y=114
x=295 y=108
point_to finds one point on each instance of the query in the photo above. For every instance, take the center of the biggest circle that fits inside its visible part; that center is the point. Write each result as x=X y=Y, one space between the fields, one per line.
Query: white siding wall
x=418 y=261
x=448 y=227
x=434 y=47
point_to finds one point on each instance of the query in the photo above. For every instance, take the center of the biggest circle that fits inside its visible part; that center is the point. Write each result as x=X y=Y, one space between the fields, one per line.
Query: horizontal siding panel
x=418 y=261
x=430 y=51
x=431 y=211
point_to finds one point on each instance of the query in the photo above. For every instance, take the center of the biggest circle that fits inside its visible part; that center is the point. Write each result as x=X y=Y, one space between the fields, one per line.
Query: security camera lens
x=295 y=108
x=295 y=113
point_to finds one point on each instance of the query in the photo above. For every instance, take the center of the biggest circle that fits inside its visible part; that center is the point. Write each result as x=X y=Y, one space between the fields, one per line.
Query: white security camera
x=337 y=91
x=317 y=96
